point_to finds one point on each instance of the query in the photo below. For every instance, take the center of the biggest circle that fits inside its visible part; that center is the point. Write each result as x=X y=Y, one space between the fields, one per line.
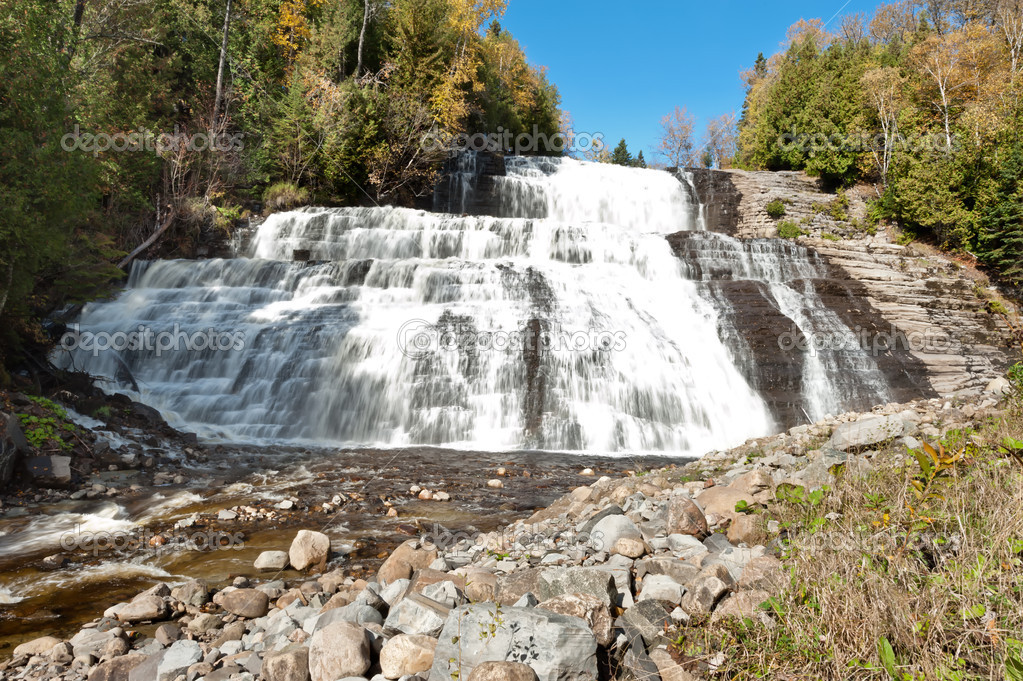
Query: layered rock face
x=926 y=308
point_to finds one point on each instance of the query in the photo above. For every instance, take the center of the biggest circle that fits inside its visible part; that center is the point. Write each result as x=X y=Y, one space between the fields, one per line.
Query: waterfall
x=563 y=321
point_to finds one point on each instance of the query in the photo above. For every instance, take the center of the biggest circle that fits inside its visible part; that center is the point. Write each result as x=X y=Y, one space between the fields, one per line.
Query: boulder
x=866 y=432
x=418 y=615
x=289 y=664
x=667 y=668
x=12 y=445
x=337 y=651
x=143 y=608
x=248 y=603
x=661 y=588
x=644 y=624
x=309 y=549
x=117 y=669
x=720 y=501
x=49 y=471
x=704 y=592
x=686 y=518
x=577 y=580
x=404 y=655
x=609 y=530
x=588 y=608
x=272 y=561
x=194 y=593
x=556 y=647
x=167 y=664
x=37 y=646
x=405 y=560
x=502 y=671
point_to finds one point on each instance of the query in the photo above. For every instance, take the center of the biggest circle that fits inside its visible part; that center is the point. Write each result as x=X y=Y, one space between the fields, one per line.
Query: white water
x=331 y=349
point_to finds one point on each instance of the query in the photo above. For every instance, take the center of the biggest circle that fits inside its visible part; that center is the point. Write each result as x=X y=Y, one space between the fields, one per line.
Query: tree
x=640 y=162
x=676 y=143
x=941 y=57
x=621 y=156
x=1010 y=21
x=720 y=140
x=853 y=28
x=893 y=23
x=883 y=88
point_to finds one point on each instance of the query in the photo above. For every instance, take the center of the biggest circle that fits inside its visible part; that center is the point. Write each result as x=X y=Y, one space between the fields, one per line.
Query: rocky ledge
x=592 y=587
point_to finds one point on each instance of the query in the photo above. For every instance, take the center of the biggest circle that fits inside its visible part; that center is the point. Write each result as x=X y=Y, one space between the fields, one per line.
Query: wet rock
x=289 y=664
x=405 y=654
x=12 y=446
x=557 y=647
x=309 y=549
x=339 y=650
x=503 y=671
x=194 y=593
x=49 y=471
x=143 y=608
x=248 y=603
x=38 y=646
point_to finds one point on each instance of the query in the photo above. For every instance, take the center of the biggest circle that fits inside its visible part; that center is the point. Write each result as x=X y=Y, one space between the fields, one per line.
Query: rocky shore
x=595 y=586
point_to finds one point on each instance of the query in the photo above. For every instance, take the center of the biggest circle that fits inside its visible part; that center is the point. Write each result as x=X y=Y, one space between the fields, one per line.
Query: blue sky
x=621 y=67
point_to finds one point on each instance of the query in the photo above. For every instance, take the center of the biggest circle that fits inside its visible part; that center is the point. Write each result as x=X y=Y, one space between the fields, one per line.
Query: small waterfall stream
x=564 y=321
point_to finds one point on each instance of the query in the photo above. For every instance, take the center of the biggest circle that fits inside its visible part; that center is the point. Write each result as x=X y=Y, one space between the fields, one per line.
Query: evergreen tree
x=640 y=162
x=621 y=156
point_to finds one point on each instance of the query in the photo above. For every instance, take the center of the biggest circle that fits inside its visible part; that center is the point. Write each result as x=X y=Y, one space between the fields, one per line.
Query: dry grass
x=941 y=580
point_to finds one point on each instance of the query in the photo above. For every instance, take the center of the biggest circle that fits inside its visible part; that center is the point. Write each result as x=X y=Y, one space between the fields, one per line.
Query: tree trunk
x=151 y=240
x=362 y=39
x=220 y=70
x=7 y=287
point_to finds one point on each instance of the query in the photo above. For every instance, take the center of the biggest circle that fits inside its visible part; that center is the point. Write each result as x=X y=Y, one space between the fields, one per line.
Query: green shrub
x=789 y=230
x=829 y=236
x=284 y=195
x=776 y=209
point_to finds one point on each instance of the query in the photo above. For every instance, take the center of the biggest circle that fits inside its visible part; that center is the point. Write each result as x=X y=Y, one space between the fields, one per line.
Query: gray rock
x=588 y=608
x=685 y=517
x=271 y=561
x=167 y=664
x=416 y=614
x=338 y=650
x=556 y=647
x=607 y=532
x=356 y=613
x=866 y=432
x=680 y=571
x=644 y=623
x=167 y=634
x=558 y=581
x=49 y=471
x=90 y=642
x=12 y=446
x=704 y=592
x=661 y=588
x=37 y=646
x=194 y=593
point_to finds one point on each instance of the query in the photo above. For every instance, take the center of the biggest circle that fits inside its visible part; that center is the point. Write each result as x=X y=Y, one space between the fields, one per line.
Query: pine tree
x=640 y=162
x=621 y=156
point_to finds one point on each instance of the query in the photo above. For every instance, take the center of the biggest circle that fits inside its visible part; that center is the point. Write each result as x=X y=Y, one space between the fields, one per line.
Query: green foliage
x=621 y=155
x=284 y=195
x=776 y=209
x=787 y=229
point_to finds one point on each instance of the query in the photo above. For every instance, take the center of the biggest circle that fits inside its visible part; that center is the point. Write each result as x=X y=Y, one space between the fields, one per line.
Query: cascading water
x=562 y=322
